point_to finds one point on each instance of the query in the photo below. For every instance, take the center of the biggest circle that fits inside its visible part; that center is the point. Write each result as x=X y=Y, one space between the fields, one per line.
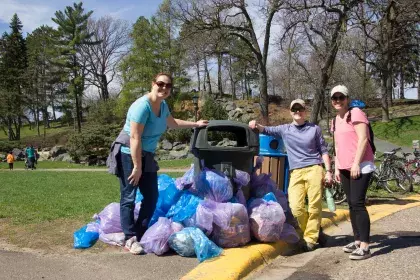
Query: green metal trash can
x=244 y=146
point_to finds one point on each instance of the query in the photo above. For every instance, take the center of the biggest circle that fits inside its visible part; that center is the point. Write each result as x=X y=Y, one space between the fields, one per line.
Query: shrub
x=178 y=135
x=94 y=140
x=103 y=112
x=212 y=110
x=7 y=146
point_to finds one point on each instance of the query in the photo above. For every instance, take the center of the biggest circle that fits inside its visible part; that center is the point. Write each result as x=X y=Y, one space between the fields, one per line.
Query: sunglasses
x=162 y=84
x=297 y=109
x=341 y=97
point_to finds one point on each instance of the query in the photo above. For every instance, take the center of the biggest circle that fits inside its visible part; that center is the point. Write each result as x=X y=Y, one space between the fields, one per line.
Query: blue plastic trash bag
x=156 y=215
x=289 y=234
x=139 y=196
x=168 y=193
x=84 y=239
x=266 y=220
x=270 y=197
x=192 y=241
x=182 y=243
x=213 y=185
x=184 y=208
x=155 y=239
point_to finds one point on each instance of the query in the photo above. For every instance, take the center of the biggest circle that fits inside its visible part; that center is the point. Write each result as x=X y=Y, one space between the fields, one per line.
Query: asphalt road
x=113 y=265
x=395 y=254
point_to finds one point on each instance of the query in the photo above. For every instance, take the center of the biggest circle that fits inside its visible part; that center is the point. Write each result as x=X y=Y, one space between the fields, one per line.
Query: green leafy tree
x=73 y=31
x=13 y=65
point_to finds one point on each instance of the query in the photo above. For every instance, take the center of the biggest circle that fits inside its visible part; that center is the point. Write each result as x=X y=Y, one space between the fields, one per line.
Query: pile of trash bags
x=200 y=215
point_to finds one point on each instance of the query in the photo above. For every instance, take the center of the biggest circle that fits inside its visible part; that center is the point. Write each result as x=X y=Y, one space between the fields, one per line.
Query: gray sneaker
x=349 y=248
x=136 y=248
x=129 y=243
x=360 y=254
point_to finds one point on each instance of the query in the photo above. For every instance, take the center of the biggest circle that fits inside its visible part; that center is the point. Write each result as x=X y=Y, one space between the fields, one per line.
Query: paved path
x=162 y=170
x=395 y=254
x=383 y=146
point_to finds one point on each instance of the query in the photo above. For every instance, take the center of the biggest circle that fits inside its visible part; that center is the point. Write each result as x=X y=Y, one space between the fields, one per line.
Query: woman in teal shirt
x=147 y=119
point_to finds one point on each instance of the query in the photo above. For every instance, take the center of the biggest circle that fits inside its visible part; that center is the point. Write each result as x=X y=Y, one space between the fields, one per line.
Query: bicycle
x=391 y=169
x=412 y=166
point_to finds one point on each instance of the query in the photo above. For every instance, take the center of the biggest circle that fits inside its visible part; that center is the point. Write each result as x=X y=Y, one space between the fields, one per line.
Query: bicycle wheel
x=403 y=180
x=338 y=193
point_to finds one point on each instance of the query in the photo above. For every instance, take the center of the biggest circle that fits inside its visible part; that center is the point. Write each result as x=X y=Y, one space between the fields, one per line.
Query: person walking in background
x=306 y=150
x=10 y=160
x=147 y=119
x=30 y=156
x=354 y=164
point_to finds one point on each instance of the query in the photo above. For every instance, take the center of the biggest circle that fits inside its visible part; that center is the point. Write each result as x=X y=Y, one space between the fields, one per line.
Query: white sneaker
x=136 y=248
x=129 y=243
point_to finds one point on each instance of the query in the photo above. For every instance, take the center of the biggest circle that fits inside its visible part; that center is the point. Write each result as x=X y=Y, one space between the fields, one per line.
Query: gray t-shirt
x=305 y=144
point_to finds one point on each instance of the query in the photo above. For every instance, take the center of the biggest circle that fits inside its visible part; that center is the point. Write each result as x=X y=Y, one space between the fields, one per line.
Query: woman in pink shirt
x=353 y=168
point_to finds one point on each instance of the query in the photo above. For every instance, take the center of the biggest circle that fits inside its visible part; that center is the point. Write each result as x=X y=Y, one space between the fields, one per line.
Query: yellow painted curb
x=236 y=263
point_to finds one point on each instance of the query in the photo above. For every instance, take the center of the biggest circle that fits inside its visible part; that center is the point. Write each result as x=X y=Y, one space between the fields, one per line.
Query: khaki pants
x=304 y=182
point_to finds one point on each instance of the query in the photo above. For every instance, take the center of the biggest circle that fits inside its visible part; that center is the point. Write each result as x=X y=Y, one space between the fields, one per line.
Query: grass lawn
x=401 y=131
x=173 y=164
x=41 y=210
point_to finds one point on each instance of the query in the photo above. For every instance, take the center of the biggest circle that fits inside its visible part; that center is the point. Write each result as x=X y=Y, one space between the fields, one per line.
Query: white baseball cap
x=297 y=101
x=340 y=88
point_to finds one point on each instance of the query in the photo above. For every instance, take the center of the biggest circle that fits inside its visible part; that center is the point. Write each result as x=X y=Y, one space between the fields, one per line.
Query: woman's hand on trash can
x=134 y=178
x=202 y=123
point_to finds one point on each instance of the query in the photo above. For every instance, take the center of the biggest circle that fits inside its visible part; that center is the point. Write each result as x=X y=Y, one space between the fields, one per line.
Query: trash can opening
x=227 y=136
x=274 y=144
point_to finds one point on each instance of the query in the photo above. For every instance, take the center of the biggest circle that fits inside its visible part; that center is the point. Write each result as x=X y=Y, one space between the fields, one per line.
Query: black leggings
x=355 y=190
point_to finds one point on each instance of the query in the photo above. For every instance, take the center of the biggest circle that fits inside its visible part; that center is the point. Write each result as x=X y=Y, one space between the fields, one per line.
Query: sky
x=34 y=13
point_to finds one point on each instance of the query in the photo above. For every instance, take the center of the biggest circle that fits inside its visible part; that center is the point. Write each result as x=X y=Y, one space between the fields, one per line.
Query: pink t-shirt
x=346 y=139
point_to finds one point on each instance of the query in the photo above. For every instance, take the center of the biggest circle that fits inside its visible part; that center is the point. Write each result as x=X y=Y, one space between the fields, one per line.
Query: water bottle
x=330 y=200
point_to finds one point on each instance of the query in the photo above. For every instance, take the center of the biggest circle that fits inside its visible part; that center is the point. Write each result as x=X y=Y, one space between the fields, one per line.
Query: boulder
x=179 y=154
x=18 y=153
x=230 y=106
x=179 y=147
x=57 y=150
x=166 y=145
x=44 y=155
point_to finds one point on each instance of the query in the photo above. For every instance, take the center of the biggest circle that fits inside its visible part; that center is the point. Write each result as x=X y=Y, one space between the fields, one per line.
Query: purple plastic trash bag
x=213 y=185
x=262 y=184
x=239 y=197
x=242 y=178
x=116 y=239
x=210 y=212
x=266 y=220
x=289 y=234
x=155 y=239
x=109 y=217
x=237 y=233
x=186 y=180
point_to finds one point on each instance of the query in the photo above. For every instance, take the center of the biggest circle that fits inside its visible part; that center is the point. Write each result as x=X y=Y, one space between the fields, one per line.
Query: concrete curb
x=236 y=263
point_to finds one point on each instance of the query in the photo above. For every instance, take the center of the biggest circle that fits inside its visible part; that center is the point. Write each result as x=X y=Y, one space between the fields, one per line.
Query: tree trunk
x=197 y=65
x=207 y=73
x=402 y=83
x=78 y=121
x=219 y=74
x=104 y=87
x=232 y=83
x=384 y=98
x=418 y=87
x=264 y=94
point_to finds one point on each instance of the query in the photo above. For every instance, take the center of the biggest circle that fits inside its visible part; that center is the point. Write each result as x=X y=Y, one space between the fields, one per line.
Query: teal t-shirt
x=30 y=152
x=154 y=126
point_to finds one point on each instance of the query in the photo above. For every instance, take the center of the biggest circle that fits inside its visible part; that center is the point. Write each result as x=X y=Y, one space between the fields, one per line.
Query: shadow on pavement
x=390 y=200
x=385 y=243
